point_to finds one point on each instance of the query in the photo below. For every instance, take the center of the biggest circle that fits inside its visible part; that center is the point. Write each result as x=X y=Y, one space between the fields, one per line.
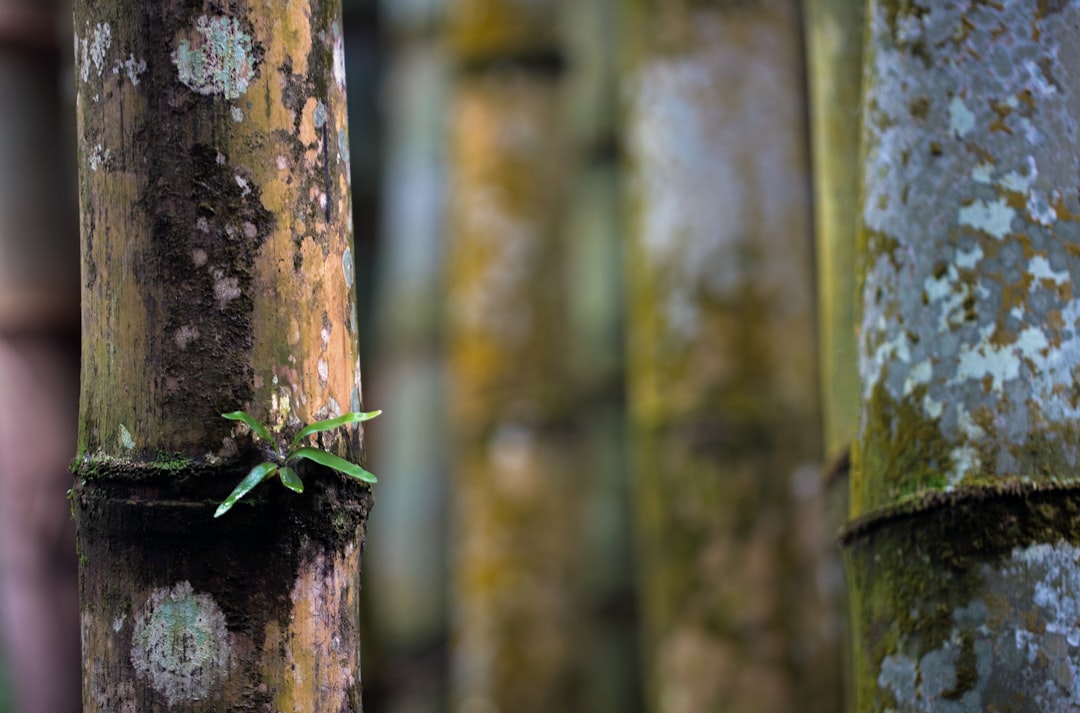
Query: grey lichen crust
x=217 y=59
x=181 y=644
x=970 y=216
x=1018 y=640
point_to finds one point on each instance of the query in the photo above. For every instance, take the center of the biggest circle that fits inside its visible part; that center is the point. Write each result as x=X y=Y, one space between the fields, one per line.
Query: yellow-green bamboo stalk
x=217 y=275
x=722 y=360
x=834 y=30
x=515 y=602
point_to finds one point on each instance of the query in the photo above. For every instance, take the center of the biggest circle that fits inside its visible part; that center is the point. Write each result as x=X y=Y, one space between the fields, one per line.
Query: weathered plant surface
x=964 y=553
x=733 y=547
x=217 y=273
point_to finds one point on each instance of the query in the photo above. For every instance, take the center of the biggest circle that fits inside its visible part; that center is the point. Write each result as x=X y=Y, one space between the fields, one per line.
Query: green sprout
x=283 y=458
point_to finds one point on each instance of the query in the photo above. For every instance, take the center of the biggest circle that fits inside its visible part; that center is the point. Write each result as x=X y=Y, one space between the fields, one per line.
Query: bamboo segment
x=964 y=550
x=722 y=364
x=834 y=30
x=516 y=606
x=216 y=231
x=217 y=276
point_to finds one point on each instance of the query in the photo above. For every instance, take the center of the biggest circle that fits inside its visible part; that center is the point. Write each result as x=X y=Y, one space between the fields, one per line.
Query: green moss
x=171 y=462
x=902 y=452
x=909 y=574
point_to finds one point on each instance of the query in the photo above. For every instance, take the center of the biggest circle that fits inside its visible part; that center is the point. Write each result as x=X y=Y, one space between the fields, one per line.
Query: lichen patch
x=215 y=58
x=967 y=306
x=180 y=643
x=1019 y=640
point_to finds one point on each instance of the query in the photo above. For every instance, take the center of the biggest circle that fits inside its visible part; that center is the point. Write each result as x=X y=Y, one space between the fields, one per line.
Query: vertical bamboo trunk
x=217 y=275
x=39 y=352
x=965 y=549
x=405 y=565
x=516 y=608
x=834 y=42
x=596 y=353
x=834 y=36
x=410 y=590
x=722 y=365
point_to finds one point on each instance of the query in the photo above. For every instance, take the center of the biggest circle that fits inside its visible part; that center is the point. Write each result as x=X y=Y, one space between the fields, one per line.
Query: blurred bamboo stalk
x=39 y=352
x=405 y=569
x=517 y=494
x=611 y=669
x=733 y=543
x=834 y=32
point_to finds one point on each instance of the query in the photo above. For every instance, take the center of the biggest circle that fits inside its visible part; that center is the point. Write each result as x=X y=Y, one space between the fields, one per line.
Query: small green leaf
x=332 y=423
x=260 y=430
x=257 y=475
x=332 y=461
x=290 y=479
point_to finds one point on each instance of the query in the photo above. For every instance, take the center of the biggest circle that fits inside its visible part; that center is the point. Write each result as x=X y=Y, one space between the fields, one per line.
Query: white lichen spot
x=991 y=217
x=226 y=289
x=217 y=58
x=968 y=427
x=982 y=173
x=220 y=158
x=123 y=437
x=968 y=259
x=1040 y=210
x=202 y=224
x=343 y=154
x=983 y=358
x=181 y=644
x=250 y=231
x=347 y=267
x=245 y=188
x=323 y=369
x=99 y=45
x=965 y=459
x=318 y=117
x=132 y=67
x=961 y=120
x=1040 y=269
x=237 y=114
x=1013 y=181
x=118 y=623
x=185 y=335
x=339 y=57
x=919 y=374
x=99 y=157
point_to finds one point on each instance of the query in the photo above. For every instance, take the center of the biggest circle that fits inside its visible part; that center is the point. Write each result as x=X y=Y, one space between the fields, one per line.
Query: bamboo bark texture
x=515 y=519
x=722 y=364
x=834 y=38
x=964 y=551
x=217 y=275
x=834 y=31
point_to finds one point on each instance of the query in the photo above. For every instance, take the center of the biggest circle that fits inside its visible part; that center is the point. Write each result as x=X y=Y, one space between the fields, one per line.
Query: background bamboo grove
x=677 y=311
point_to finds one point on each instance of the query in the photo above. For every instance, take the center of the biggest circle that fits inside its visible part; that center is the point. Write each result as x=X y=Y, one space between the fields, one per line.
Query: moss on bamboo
x=922 y=597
